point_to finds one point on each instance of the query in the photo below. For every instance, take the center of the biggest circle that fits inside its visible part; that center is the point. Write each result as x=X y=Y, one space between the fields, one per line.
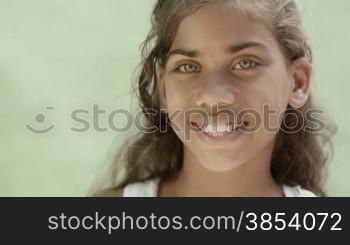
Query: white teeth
x=216 y=134
x=220 y=130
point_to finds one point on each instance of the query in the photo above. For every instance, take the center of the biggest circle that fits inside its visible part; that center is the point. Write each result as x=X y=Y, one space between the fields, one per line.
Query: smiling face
x=221 y=59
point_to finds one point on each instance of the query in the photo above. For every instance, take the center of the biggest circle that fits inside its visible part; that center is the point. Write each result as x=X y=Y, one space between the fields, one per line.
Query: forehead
x=218 y=26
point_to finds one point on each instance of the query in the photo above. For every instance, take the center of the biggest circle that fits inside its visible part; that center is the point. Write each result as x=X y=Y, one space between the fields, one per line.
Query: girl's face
x=222 y=60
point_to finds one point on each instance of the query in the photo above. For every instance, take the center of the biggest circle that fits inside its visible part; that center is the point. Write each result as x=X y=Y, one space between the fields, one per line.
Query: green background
x=72 y=54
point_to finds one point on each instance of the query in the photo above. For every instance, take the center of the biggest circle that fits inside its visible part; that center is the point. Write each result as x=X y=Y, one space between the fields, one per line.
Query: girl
x=203 y=57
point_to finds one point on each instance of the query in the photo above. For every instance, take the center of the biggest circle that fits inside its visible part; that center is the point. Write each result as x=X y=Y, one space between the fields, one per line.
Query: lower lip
x=219 y=140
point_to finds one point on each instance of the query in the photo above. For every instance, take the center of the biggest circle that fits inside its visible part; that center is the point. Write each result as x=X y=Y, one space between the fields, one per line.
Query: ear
x=301 y=73
x=161 y=89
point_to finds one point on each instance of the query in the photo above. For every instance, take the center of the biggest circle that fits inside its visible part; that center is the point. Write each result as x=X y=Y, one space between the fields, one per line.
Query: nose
x=215 y=90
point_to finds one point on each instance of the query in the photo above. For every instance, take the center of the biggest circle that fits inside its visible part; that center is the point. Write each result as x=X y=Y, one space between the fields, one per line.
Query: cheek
x=176 y=105
x=178 y=102
x=177 y=94
x=272 y=88
x=268 y=96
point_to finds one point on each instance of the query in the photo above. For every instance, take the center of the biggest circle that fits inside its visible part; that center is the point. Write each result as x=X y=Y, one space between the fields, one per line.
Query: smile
x=219 y=131
x=218 y=134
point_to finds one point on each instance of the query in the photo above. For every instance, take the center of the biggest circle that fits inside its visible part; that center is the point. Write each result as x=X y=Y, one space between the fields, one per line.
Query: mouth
x=217 y=131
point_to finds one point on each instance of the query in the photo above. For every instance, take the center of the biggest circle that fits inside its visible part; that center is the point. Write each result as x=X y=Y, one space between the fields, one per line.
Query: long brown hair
x=299 y=158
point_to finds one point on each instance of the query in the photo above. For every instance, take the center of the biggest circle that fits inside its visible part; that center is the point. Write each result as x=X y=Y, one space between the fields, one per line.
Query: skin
x=203 y=71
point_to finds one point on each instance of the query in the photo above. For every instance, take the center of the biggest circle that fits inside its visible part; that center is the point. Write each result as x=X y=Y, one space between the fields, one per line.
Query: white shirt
x=149 y=188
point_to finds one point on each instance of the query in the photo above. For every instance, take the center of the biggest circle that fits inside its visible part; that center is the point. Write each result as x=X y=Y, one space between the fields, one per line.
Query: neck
x=252 y=178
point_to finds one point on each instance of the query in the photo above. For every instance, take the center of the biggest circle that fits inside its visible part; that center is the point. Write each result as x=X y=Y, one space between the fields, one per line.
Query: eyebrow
x=233 y=49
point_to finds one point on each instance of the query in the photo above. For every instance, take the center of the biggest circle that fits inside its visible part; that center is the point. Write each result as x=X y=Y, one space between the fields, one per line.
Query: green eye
x=188 y=68
x=245 y=65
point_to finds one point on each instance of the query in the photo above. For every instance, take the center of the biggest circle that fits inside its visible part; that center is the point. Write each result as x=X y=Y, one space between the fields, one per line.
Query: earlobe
x=301 y=82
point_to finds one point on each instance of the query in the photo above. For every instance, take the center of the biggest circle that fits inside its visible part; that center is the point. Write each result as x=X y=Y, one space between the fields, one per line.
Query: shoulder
x=297 y=191
x=146 y=188
x=306 y=193
x=111 y=193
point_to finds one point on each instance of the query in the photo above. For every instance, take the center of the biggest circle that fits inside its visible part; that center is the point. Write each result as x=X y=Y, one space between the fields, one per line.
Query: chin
x=222 y=166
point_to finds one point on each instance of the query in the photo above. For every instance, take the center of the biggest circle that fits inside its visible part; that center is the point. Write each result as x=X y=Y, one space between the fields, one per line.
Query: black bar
x=29 y=219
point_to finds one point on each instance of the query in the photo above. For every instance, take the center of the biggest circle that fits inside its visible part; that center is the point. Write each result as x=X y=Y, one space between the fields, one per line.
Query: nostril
x=193 y=124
